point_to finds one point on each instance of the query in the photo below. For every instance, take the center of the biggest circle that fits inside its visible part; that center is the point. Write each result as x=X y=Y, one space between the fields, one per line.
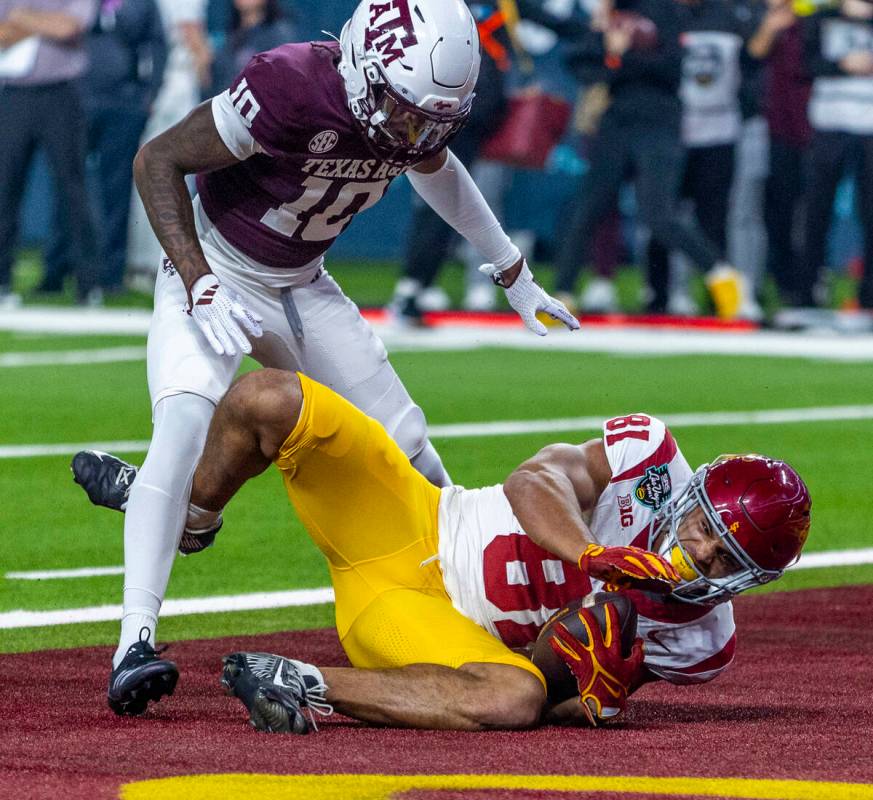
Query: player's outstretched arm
x=445 y=185
x=159 y=169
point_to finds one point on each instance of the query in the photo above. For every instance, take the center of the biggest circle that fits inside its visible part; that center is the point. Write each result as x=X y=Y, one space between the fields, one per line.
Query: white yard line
x=63 y=574
x=302 y=597
x=517 y=427
x=106 y=355
x=36 y=450
x=171 y=608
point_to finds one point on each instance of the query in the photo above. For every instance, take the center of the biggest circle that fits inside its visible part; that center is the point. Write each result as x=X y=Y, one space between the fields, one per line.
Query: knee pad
x=180 y=428
x=409 y=430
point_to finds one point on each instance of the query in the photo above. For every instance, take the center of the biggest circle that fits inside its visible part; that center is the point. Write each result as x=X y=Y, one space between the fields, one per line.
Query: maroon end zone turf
x=795 y=704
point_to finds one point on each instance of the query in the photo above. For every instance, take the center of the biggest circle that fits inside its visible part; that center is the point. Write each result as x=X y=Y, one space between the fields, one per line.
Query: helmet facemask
x=697 y=588
x=400 y=132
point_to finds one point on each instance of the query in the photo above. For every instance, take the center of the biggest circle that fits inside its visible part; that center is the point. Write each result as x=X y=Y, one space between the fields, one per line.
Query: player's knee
x=509 y=697
x=269 y=402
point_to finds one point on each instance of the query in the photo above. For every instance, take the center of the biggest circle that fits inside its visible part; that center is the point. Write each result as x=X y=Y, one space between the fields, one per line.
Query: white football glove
x=527 y=297
x=226 y=323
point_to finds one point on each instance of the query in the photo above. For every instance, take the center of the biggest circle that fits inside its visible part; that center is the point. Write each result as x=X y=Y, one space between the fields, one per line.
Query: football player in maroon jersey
x=306 y=137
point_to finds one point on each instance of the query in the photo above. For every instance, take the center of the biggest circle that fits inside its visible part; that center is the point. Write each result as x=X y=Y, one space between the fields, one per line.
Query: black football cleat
x=276 y=691
x=105 y=478
x=141 y=677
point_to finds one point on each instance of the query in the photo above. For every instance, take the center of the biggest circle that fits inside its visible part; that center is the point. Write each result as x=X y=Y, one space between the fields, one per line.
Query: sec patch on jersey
x=560 y=681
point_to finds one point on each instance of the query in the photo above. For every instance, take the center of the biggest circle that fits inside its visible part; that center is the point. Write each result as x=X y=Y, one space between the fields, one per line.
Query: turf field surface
x=788 y=720
x=58 y=405
x=792 y=707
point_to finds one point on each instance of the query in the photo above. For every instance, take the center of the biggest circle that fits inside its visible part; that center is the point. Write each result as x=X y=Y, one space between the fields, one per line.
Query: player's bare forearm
x=550 y=492
x=159 y=169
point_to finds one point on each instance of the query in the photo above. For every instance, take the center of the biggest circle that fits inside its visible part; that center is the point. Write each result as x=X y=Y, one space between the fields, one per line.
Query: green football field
x=48 y=523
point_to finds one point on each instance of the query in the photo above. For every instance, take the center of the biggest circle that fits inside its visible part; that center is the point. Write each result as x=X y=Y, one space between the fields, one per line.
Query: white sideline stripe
x=514 y=428
x=108 y=355
x=302 y=597
x=827 y=345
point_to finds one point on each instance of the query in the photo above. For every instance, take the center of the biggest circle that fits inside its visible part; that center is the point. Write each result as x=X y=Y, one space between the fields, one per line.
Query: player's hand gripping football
x=603 y=674
x=629 y=568
x=527 y=297
x=226 y=323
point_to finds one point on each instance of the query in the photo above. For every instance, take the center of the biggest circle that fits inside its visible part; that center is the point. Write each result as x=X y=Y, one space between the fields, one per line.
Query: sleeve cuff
x=231 y=128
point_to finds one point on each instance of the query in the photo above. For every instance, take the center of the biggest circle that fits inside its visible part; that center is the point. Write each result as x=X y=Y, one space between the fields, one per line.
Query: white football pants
x=337 y=348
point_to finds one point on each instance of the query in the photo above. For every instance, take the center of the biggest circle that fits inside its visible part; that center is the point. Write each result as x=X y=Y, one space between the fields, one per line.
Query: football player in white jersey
x=307 y=136
x=438 y=591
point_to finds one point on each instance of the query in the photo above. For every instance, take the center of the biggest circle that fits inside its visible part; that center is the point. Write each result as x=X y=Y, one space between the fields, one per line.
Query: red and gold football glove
x=603 y=674
x=629 y=568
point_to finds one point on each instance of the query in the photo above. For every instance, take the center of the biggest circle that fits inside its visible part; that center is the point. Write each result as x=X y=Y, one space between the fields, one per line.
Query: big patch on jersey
x=560 y=683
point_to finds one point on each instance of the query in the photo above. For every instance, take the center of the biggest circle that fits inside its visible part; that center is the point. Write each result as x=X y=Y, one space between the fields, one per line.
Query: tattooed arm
x=159 y=169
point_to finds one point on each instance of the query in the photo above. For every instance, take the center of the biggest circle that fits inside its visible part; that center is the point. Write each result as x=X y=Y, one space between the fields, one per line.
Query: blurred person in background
x=127 y=54
x=255 y=26
x=779 y=43
x=746 y=232
x=839 y=51
x=713 y=45
x=639 y=134
x=430 y=239
x=187 y=70
x=42 y=54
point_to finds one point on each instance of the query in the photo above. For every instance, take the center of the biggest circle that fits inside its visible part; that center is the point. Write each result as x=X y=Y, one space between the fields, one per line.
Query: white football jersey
x=509 y=585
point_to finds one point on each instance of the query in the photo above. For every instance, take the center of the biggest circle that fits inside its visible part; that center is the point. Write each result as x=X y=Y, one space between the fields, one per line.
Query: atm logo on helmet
x=390 y=30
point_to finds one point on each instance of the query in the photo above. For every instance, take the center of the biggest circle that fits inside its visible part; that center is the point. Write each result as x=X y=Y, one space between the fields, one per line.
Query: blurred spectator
x=127 y=54
x=839 y=48
x=779 y=41
x=639 y=134
x=43 y=55
x=429 y=237
x=713 y=46
x=746 y=233
x=187 y=69
x=255 y=26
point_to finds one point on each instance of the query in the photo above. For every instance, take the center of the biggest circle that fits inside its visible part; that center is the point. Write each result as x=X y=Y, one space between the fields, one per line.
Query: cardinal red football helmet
x=759 y=507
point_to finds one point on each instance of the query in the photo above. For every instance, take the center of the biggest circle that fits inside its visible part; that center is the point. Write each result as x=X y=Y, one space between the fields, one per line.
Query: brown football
x=559 y=680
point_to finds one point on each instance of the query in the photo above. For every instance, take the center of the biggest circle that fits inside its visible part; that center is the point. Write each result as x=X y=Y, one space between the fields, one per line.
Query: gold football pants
x=375 y=519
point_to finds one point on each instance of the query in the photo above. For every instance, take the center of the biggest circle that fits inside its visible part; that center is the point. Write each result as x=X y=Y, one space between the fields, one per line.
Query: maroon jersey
x=307 y=170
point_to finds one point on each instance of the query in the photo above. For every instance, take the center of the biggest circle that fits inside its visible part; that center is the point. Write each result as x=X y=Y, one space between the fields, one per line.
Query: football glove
x=629 y=568
x=527 y=297
x=603 y=674
x=221 y=316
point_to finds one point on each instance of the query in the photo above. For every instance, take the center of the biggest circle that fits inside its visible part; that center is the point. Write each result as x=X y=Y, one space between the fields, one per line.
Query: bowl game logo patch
x=654 y=488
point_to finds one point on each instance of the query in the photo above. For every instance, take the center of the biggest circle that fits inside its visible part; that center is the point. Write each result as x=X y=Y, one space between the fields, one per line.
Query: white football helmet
x=409 y=67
